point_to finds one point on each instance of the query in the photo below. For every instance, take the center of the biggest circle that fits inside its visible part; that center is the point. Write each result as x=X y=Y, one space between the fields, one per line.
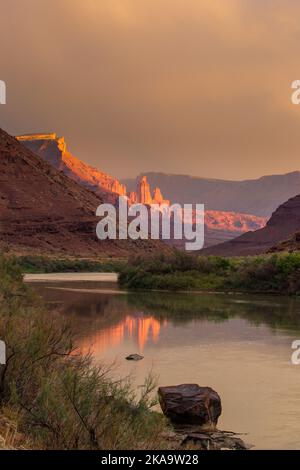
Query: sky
x=199 y=87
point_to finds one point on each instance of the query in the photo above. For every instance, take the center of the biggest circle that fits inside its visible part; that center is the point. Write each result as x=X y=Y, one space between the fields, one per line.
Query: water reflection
x=139 y=329
x=240 y=345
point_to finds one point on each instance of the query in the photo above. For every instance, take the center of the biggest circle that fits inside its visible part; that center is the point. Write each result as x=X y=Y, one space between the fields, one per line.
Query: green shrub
x=59 y=398
x=278 y=273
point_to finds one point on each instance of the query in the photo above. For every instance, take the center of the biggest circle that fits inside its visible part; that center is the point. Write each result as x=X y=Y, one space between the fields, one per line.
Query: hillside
x=42 y=210
x=283 y=224
x=53 y=149
x=220 y=226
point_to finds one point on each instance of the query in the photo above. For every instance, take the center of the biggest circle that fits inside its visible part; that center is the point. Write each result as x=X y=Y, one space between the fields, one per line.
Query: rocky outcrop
x=190 y=404
x=204 y=439
x=44 y=211
x=143 y=195
x=158 y=197
x=54 y=150
x=290 y=245
x=259 y=197
x=283 y=224
x=194 y=412
x=144 y=192
x=133 y=199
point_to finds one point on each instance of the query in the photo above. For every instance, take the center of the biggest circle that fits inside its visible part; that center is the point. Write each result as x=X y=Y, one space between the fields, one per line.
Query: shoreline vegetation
x=272 y=274
x=54 y=396
x=277 y=273
x=33 y=264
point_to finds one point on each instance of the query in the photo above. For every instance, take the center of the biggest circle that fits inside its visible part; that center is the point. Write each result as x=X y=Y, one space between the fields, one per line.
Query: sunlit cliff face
x=140 y=329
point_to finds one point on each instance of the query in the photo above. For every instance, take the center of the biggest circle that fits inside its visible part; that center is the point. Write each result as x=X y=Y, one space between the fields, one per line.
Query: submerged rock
x=134 y=357
x=190 y=404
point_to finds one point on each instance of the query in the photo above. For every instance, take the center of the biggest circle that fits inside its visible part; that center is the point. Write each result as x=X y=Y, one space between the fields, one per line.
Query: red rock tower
x=144 y=193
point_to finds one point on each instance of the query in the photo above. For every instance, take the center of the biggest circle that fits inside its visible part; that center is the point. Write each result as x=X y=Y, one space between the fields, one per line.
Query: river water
x=240 y=345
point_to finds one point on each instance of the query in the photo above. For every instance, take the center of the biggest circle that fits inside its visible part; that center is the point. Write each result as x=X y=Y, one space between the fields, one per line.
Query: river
x=240 y=345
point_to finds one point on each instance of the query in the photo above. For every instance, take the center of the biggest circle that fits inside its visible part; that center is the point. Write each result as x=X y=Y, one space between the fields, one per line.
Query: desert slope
x=284 y=223
x=42 y=210
x=53 y=149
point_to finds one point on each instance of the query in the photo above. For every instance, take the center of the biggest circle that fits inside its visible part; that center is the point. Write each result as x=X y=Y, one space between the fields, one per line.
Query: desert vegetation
x=46 y=264
x=276 y=273
x=55 y=396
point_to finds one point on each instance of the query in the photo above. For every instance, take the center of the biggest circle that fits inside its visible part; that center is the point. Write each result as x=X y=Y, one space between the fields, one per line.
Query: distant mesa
x=42 y=136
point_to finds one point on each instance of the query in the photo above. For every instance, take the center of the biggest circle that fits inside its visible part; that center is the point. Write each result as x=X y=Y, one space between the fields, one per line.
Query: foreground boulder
x=190 y=404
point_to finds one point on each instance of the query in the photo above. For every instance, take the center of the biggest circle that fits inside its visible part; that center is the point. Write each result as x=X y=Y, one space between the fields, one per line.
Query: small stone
x=134 y=357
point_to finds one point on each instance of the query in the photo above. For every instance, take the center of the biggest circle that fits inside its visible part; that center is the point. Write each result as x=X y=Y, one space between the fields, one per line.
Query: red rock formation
x=220 y=225
x=158 y=197
x=133 y=199
x=143 y=192
x=233 y=221
x=44 y=211
x=54 y=150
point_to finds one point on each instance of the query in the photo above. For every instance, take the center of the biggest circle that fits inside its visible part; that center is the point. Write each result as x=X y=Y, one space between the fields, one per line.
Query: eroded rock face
x=53 y=149
x=190 y=404
x=144 y=193
x=158 y=197
x=132 y=197
x=42 y=211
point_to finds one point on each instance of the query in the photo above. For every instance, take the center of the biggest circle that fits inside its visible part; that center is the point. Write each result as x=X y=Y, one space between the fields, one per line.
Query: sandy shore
x=59 y=277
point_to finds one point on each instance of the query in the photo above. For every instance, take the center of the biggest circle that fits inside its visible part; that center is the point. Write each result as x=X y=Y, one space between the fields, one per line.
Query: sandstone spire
x=144 y=193
x=158 y=197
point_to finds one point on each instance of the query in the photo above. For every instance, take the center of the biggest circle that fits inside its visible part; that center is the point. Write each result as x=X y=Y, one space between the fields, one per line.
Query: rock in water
x=190 y=404
x=134 y=357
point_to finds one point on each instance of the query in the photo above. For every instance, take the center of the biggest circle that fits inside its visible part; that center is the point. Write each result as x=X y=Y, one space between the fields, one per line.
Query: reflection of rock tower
x=144 y=193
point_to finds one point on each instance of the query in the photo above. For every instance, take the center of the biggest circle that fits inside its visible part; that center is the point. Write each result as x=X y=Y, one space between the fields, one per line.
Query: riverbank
x=276 y=273
x=273 y=274
x=33 y=264
x=72 y=277
x=54 y=395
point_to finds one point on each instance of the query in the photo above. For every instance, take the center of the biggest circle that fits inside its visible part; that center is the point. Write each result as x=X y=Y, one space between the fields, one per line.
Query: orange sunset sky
x=200 y=87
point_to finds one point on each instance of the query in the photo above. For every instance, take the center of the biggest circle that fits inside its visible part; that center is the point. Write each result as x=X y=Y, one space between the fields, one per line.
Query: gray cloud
x=195 y=86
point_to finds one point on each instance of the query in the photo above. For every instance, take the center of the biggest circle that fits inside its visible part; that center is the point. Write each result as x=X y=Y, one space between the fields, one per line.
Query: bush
x=59 y=398
x=277 y=273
